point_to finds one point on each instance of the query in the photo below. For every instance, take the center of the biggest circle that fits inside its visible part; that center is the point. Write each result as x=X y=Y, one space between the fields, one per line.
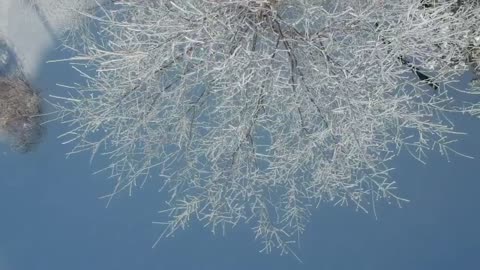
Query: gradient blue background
x=51 y=217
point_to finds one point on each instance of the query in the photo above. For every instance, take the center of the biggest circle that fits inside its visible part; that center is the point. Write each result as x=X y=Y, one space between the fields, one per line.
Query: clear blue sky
x=51 y=217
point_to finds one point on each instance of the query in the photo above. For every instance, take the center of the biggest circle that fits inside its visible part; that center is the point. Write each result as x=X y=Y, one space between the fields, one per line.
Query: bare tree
x=19 y=114
x=258 y=111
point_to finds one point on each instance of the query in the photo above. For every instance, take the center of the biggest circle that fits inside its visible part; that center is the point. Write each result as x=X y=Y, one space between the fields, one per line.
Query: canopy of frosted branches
x=255 y=111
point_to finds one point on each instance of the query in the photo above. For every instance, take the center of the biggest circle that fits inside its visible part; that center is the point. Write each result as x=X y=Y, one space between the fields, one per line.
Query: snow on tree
x=258 y=111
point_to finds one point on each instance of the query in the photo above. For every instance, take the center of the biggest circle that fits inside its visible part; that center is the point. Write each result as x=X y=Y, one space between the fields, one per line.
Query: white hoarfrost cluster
x=260 y=111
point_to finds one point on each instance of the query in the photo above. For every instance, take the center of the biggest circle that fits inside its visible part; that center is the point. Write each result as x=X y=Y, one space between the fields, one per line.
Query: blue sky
x=51 y=217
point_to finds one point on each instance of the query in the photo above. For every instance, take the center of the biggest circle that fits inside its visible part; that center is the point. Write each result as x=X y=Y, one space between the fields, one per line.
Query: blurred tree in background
x=20 y=122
